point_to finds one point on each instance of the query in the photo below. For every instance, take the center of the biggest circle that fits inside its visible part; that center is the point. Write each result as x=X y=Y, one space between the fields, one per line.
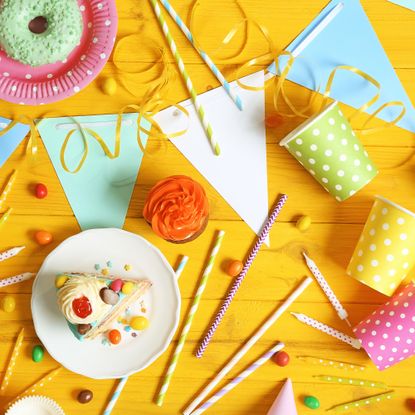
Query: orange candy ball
x=281 y=358
x=234 y=268
x=43 y=237
x=114 y=336
x=274 y=120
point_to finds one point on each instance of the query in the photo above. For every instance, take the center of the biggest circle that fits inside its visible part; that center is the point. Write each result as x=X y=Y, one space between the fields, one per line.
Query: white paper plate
x=80 y=253
x=35 y=405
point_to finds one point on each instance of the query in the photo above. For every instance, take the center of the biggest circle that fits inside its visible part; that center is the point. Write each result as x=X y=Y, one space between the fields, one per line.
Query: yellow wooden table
x=277 y=269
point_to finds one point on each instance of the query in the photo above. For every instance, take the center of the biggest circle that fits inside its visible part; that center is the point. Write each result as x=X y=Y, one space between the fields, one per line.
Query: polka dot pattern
x=386 y=253
x=388 y=336
x=327 y=145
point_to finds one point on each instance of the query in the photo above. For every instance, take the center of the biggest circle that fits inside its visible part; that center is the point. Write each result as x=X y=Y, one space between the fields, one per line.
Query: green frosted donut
x=63 y=30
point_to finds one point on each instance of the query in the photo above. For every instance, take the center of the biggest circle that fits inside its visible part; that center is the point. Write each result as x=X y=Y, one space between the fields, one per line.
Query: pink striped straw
x=238 y=281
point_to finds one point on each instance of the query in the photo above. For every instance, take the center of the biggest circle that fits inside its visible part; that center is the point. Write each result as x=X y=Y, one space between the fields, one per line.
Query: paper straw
x=11 y=253
x=189 y=85
x=12 y=362
x=351 y=381
x=8 y=188
x=341 y=312
x=238 y=281
x=5 y=216
x=215 y=70
x=318 y=29
x=37 y=385
x=361 y=402
x=182 y=339
x=248 y=344
x=123 y=381
x=328 y=330
x=238 y=379
x=16 y=279
x=336 y=364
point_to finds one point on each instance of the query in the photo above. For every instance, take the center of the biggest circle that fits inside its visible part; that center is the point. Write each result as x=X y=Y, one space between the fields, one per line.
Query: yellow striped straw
x=186 y=78
x=180 y=344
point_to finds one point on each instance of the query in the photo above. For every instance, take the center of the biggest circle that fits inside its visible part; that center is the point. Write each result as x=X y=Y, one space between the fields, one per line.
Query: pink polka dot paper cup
x=328 y=148
x=388 y=335
x=385 y=252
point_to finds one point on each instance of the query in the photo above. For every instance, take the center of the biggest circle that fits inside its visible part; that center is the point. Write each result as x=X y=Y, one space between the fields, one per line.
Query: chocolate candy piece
x=83 y=328
x=37 y=353
x=85 y=396
x=109 y=296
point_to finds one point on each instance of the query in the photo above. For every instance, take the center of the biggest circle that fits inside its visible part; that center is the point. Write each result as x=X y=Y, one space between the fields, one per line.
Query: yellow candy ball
x=8 y=304
x=128 y=288
x=303 y=223
x=105 y=271
x=139 y=323
x=60 y=281
x=109 y=86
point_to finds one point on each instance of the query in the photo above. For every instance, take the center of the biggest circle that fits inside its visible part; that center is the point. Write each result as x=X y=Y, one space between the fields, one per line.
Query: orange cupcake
x=177 y=209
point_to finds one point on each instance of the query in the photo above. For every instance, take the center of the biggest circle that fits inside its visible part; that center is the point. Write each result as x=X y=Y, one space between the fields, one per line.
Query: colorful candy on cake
x=92 y=303
x=177 y=209
x=39 y=32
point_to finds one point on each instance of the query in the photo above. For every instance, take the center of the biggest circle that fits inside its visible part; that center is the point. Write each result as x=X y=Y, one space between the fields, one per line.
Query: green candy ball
x=311 y=402
x=37 y=353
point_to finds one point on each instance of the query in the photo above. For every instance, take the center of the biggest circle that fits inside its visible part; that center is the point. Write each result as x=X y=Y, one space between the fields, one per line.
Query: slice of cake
x=91 y=303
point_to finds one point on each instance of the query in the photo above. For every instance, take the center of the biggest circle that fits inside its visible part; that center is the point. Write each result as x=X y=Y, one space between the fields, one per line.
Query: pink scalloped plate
x=27 y=85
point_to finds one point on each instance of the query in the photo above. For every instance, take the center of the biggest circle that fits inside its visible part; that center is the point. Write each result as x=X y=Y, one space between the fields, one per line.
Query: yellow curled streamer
x=279 y=82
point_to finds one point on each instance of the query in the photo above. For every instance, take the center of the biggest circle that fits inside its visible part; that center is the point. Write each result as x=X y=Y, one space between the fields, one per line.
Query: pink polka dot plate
x=26 y=85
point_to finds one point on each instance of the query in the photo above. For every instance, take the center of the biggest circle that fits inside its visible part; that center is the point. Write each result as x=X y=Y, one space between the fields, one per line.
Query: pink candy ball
x=116 y=285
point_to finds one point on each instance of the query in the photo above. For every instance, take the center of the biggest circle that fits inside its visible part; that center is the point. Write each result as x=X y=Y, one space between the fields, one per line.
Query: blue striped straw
x=215 y=70
x=238 y=379
x=123 y=381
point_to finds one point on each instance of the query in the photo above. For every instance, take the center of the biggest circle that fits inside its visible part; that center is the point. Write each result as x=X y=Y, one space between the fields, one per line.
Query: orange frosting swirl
x=177 y=208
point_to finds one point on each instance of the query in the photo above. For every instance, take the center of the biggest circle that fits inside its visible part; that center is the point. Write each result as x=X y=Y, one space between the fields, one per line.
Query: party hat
x=100 y=192
x=285 y=402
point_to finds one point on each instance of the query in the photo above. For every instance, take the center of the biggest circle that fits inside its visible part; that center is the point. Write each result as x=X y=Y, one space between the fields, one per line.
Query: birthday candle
x=12 y=362
x=352 y=382
x=361 y=402
x=11 y=253
x=5 y=216
x=336 y=364
x=328 y=330
x=16 y=279
x=341 y=312
x=8 y=188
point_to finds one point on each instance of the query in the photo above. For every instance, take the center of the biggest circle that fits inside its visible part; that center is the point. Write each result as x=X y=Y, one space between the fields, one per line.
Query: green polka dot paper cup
x=329 y=149
x=385 y=252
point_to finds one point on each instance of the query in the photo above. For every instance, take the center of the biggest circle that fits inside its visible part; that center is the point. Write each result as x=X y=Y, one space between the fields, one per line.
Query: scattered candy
x=8 y=304
x=60 y=281
x=116 y=285
x=109 y=264
x=109 y=296
x=127 y=329
x=43 y=237
x=274 y=120
x=127 y=267
x=114 y=336
x=85 y=396
x=234 y=268
x=97 y=267
x=303 y=223
x=105 y=271
x=311 y=402
x=281 y=358
x=37 y=353
x=82 y=307
x=109 y=86
x=84 y=328
x=128 y=288
x=41 y=191
x=139 y=323
x=411 y=404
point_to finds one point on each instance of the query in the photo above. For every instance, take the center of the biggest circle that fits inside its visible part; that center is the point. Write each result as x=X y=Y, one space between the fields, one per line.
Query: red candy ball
x=116 y=285
x=114 y=336
x=281 y=358
x=273 y=121
x=82 y=307
x=411 y=404
x=41 y=191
